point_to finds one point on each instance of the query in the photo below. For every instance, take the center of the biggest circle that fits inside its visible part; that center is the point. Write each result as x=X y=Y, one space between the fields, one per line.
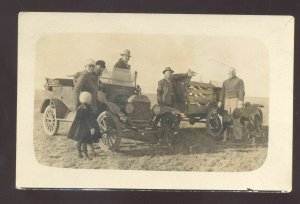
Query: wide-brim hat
x=126 y=52
x=168 y=69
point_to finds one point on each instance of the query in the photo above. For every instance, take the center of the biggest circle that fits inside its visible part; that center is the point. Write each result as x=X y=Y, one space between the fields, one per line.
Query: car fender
x=61 y=109
x=168 y=109
x=101 y=96
x=113 y=108
x=44 y=105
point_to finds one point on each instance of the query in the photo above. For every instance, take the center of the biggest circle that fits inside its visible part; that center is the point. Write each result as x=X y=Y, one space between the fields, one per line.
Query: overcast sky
x=209 y=56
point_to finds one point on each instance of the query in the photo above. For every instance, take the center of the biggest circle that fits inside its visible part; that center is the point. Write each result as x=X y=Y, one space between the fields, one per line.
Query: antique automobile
x=197 y=102
x=121 y=107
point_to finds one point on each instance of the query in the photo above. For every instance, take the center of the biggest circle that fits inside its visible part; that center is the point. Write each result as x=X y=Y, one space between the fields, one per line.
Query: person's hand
x=191 y=73
x=92 y=131
x=240 y=104
x=219 y=104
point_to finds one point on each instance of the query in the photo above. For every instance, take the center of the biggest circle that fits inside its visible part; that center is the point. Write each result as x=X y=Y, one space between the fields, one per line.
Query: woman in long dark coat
x=84 y=128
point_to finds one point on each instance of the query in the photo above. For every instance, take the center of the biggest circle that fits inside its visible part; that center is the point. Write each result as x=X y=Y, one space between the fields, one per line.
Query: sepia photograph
x=161 y=102
x=155 y=107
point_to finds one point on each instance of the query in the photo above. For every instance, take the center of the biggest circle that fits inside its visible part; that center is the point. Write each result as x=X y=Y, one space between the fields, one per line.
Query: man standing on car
x=165 y=90
x=123 y=61
x=232 y=96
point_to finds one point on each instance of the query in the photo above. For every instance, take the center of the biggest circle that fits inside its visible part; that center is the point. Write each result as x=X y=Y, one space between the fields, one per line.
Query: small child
x=84 y=128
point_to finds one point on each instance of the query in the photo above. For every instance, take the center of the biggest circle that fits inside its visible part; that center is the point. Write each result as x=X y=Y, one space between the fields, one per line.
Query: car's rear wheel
x=50 y=121
x=110 y=129
x=213 y=123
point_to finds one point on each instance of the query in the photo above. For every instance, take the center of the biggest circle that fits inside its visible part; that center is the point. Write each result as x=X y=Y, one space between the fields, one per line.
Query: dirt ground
x=194 y=150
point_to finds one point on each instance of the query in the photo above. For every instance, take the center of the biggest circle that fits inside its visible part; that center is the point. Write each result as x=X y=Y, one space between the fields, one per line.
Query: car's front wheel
x=50 y=121
x=110 y=129
x=169 y=127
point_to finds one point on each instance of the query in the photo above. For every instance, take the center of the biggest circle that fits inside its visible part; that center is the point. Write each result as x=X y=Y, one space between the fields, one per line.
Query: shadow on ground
x=188 y=141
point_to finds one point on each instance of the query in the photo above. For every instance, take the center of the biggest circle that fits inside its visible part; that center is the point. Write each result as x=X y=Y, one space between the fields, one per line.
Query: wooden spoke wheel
x=110 y=129
x=169 y=127
x=50 y=121
x=214 y=124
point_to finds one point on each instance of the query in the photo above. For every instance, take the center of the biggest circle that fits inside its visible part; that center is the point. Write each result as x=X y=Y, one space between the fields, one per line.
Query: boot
x=85 y=153
x=156 y=137
x=225 y=135
x=253 y=140
x=78 y=147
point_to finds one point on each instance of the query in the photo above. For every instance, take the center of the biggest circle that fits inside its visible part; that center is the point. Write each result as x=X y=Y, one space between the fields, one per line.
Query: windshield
x=123 y=77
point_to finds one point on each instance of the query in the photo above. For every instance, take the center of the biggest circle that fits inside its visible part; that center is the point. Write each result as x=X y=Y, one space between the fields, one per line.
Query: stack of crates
x=199 y=97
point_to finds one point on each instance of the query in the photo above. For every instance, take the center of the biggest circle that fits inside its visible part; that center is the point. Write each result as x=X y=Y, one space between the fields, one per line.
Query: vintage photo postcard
x=155 y=101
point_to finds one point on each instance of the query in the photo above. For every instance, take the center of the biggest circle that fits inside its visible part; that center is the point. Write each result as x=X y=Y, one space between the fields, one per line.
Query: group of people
x=231 y=98
x=84 y=128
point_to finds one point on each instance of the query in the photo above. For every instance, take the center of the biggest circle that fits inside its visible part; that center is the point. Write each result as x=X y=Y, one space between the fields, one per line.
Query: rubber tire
x=215 y=134
x=165 y=129
x=117 y=142
x=56 y=123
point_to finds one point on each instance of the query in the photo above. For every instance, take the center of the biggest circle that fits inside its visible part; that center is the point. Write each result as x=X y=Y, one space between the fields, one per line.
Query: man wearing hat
x=232 y=97
x=100 y=67
x=165 y=90
x=123 y=61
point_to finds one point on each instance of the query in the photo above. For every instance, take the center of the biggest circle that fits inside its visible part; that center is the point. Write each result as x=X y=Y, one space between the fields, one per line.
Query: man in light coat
x=232 y=97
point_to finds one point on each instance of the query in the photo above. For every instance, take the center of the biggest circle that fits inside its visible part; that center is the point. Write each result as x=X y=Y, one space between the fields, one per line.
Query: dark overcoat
x=165 y=92
x=86 y=81
x=122 y=64
x=81 y=127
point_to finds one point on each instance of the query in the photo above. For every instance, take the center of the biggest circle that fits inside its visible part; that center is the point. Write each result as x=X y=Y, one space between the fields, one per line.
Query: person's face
x=90 y=67
x=231 y=74
x=98 y=69
x=168 y=74
x=87 y=103
x=125 y=58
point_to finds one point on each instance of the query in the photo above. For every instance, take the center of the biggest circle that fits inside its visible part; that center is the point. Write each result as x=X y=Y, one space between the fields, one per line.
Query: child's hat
x=85 y=97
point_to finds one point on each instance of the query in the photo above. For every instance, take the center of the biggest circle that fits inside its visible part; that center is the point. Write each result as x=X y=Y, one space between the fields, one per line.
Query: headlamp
x=156 y=110
x=129 y=108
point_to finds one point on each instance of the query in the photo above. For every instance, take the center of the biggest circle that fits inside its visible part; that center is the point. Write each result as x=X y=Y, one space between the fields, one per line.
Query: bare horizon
x=209 y=56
